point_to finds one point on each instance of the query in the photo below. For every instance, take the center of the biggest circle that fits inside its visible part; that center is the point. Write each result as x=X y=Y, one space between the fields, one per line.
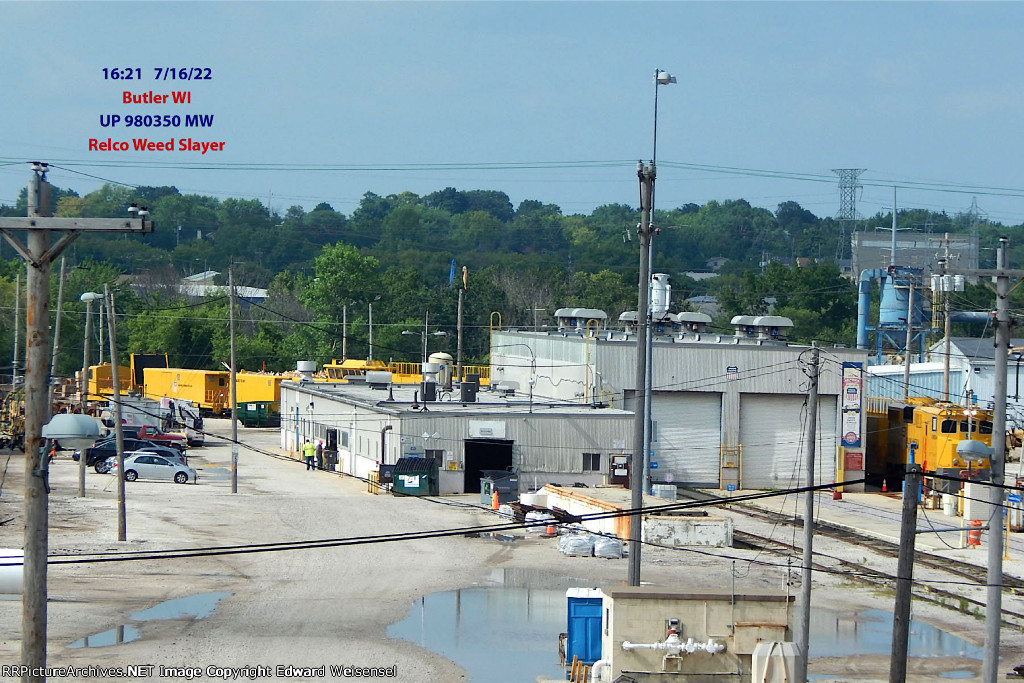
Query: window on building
x=435 y=453
x=591 y=462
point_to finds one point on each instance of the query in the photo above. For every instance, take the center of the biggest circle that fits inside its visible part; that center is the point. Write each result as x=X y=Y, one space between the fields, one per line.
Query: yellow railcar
x=929 y=431
x=208 y=389
x=401 y=373
x=259 y=386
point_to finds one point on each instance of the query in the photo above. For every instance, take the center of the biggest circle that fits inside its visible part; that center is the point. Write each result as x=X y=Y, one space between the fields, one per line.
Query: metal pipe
x=383 y=444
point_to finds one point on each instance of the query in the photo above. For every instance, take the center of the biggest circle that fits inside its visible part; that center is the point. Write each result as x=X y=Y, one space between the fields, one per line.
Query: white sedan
x=151 y=466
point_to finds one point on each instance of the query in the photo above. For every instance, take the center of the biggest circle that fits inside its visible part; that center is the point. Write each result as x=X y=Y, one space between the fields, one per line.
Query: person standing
x=308 y=451
x=319 y=453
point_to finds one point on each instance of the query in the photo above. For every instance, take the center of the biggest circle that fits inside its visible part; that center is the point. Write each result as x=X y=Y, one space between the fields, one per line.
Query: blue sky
x=543 y=100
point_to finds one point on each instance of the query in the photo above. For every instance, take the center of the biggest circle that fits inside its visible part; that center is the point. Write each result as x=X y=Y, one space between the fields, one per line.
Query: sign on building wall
x=852 y=404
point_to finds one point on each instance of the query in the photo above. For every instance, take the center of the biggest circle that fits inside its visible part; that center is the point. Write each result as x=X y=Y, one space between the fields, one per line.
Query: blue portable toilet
x=583 y=630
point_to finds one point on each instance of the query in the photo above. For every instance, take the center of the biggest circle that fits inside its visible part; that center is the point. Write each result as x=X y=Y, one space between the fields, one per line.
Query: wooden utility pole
x=458 y=346
x=17 y=332
x=646 y=174
x=904 y=577
x=234 y=383
x=56 y=323
x=804 y=627
x=946 y=326
x=38 y=255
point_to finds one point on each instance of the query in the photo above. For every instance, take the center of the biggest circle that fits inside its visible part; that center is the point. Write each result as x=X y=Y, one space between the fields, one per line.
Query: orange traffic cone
x=550 y=530
x=494 y=500
x=885 y=489
x=837 y=494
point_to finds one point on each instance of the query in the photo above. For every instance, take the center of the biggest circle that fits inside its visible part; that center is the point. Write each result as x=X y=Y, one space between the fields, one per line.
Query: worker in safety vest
x=308 y=453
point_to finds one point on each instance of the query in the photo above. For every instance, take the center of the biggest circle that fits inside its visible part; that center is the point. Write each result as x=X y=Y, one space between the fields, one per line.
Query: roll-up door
x=772 y=436
x=688 y=435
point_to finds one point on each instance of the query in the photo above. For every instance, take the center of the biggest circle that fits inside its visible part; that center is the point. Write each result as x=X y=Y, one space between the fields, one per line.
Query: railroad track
x=966 y=604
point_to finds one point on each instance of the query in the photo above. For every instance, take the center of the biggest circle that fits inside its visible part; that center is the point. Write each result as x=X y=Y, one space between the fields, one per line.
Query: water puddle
x=115 y=636
x=510 y=623
x=194 y=607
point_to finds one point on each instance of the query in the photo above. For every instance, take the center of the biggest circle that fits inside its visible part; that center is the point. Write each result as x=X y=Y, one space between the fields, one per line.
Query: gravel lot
x=307 y=608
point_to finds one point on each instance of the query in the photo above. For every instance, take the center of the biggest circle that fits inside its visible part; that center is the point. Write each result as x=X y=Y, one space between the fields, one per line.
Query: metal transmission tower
x=974 y=217
x=847 y=215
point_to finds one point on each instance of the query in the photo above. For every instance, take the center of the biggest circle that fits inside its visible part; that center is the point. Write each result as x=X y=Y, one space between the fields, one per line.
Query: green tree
x=343 y=275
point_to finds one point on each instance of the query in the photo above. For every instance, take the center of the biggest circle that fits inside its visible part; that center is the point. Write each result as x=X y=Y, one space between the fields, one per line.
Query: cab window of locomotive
x=964 y=424
x=949 y=426
x=985 y=427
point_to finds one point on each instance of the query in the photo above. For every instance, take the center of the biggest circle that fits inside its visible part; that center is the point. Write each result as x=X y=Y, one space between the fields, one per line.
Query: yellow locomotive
x=927 y=431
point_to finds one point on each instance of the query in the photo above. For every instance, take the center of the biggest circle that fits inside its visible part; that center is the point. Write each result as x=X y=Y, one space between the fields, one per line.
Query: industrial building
x=366 y=424
x=727 y=411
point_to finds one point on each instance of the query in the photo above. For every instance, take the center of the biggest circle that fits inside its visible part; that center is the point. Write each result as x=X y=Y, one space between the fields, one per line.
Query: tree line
x=403 y=254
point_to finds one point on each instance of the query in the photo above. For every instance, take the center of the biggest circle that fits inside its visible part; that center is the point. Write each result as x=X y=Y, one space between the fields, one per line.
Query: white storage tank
x=446 y=368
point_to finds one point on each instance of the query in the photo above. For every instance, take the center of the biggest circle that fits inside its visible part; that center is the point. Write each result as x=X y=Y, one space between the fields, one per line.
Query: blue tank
x=892 y=314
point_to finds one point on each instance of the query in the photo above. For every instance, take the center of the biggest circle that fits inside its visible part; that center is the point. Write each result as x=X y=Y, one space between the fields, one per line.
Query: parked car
x=152 y=466
x=97 y=454
x=156 y=435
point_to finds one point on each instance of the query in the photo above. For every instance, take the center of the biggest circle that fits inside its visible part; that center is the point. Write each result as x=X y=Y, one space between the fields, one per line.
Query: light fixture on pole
x=641 y=415
x=426 y=333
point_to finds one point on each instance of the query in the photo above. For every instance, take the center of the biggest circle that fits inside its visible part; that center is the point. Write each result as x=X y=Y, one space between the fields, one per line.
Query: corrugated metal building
x=725 y=409
x=542 y=440
x=972 y=377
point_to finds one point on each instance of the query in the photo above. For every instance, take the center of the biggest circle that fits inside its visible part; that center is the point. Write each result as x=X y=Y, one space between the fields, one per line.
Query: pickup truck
x=156 y=435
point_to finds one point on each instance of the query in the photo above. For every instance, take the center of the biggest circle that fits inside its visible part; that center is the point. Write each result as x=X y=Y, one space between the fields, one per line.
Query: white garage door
x=772 y=432
x=688 y=433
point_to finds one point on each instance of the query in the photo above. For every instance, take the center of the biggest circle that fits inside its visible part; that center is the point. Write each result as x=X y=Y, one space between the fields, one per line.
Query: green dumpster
x=416 y=476
x=260 y=414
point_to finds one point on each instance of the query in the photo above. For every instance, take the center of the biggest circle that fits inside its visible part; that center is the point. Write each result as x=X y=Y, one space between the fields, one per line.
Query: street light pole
x=83 y=393
x=426 y=330
x=115 y=377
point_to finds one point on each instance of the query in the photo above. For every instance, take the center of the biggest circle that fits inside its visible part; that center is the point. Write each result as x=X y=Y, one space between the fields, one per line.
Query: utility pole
x=234 y=383
x=904 y=576
x=38 y=255
x=910 y=338
x=56 y=324
x=943 y=263
x=458 y=346
x=993 y=614
x=646 y=174
x=994 y=601
x=17 y=333
x=344 y=332
x=804 y=633
x=115 y=378
x=369 y=355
